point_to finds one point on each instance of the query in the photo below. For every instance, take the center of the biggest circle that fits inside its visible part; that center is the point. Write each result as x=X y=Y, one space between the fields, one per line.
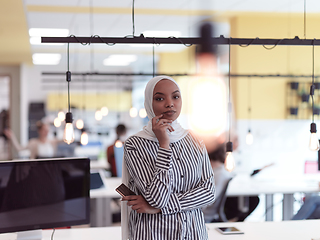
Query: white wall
x=283 y=142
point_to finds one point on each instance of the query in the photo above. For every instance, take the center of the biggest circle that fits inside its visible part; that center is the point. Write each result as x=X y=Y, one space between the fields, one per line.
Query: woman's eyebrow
x=177 y=91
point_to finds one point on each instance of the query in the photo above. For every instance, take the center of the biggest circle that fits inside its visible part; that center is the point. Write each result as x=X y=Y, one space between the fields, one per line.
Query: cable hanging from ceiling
x=229 y=162
x=314 y=141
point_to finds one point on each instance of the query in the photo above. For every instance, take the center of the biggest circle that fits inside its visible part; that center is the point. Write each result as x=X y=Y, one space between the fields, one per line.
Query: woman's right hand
x=159 y=127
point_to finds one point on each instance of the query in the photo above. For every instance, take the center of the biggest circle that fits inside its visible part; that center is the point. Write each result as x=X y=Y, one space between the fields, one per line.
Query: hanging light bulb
x=79 y=124
x=249 y=138
x=229 y=161
x=118 y=144
x=57 y=122
x=142 y=113
x=61 y=116
x=104 y=111
x=314 y=141
x=84 y=139
x=68 y=135
x=98 y=115
x=133 y=112
x=206 y=89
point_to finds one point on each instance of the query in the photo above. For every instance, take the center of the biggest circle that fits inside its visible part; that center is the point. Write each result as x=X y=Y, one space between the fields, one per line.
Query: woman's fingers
x=171 y=129
x=163 y=123
x=155 y=119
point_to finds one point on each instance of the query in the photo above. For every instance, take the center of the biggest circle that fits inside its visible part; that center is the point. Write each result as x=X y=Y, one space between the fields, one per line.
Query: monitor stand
x=30 y=235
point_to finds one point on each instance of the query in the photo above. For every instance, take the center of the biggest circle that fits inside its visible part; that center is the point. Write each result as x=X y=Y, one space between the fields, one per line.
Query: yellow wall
x=113 y=101
x=269 y=94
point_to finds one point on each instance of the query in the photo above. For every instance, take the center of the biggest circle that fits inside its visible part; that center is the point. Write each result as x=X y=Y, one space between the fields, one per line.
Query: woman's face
x=43 y=131
x=167 y=100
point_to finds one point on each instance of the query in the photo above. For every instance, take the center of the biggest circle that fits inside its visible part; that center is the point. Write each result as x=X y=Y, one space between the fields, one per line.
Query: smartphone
x=229 y=230
x=123 y=190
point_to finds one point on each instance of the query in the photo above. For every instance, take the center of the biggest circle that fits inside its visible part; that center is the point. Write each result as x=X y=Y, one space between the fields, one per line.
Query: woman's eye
x=159 y=99
x=176 y=97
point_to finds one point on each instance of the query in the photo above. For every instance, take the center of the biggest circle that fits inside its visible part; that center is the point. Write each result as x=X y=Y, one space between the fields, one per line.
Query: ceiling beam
x=244 y=42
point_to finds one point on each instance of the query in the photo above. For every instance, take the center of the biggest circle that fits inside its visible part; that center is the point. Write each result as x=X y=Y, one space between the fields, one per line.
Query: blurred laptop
x=97 y=179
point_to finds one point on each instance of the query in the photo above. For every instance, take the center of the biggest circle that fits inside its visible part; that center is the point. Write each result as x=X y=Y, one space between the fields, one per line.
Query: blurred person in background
x=221 y=176
x=121 y=132
x=40 y=147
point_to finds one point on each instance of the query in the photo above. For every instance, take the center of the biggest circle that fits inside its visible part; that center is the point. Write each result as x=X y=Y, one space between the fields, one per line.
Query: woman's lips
x=169 y=113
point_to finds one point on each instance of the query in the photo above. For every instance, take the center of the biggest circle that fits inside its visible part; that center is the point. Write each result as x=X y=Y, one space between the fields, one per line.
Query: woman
x=168 y=169
x=40 y=147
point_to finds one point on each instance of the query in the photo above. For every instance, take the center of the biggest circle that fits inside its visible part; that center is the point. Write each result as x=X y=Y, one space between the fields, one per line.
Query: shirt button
x=182 y=176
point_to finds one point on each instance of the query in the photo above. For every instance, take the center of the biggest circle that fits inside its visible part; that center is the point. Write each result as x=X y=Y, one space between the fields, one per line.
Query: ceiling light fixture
x=120 y=60
x=36 y=33
x=104 y=111
x=207 y=88
x=57 y=122
x=46 y=32
x=68 y=135
x=133 y=112
x=84 y=139
x=229 y=163
x=46 y=58
x=314 y=141
x=142 y=113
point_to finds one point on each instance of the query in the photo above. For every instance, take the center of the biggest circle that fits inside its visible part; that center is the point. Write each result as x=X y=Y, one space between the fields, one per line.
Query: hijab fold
x=147 y=133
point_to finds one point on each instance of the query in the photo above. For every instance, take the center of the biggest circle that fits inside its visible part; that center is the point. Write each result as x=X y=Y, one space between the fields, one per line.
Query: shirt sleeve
x=154 y=181
x=198 y=197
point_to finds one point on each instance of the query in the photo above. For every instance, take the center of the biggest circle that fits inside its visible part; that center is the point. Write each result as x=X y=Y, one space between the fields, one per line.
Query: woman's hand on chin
x=159 y=127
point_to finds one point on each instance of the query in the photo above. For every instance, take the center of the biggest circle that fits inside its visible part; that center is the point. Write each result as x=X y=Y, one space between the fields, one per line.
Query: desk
x=240 y=185
x=101 y=213
x=293 y=230
x=244 y=185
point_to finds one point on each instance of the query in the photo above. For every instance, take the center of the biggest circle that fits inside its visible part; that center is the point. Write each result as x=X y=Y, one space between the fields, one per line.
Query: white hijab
x=147 y=133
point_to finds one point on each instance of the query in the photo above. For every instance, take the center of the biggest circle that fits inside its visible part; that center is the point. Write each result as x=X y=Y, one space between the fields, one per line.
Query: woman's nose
x=169 y=104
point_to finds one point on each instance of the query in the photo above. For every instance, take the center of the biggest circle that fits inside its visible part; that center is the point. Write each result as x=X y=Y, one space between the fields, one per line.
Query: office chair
x=221 y=201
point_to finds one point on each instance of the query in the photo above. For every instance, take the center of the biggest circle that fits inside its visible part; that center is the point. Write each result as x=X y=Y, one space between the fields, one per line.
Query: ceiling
x=108 y=18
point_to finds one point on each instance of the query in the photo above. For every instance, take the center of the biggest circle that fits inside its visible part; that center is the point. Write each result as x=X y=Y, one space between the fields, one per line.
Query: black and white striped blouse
x=177 y=181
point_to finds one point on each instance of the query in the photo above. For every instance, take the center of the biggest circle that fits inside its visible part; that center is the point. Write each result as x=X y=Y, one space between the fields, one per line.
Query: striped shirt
x=178 y=181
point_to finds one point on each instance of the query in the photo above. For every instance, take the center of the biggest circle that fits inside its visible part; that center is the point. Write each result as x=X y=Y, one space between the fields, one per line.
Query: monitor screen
x=44 y=193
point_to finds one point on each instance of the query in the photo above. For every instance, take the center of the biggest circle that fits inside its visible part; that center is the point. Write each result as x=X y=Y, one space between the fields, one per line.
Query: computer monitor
x=44 y=193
